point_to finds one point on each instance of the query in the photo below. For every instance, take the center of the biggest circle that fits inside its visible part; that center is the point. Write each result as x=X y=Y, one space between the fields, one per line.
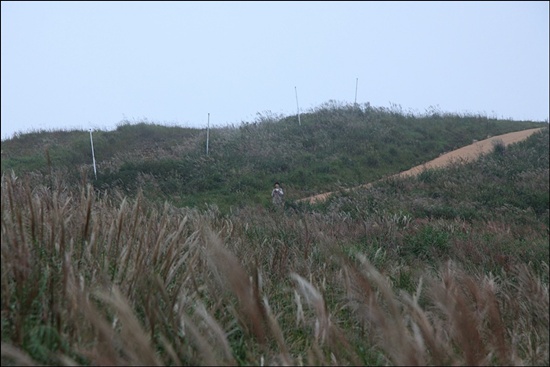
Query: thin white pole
x=297 y=106
x=207 y=133
x=93 y=155
x=356 y=82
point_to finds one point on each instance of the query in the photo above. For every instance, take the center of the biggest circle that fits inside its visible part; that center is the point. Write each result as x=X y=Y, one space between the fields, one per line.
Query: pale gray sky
x=88 y=65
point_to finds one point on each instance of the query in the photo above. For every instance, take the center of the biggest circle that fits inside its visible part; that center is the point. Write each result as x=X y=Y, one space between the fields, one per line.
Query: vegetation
x=446 y=268
x=336 y=146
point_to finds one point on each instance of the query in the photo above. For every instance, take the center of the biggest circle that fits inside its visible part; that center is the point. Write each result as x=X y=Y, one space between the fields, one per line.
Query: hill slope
x=464 y=154
x=335 y=147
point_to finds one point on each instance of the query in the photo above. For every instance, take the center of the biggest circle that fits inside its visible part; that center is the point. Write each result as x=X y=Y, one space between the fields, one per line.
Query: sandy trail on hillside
x=464 y=154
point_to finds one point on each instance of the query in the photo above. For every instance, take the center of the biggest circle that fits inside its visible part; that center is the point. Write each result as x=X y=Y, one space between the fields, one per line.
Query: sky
x=93 y=65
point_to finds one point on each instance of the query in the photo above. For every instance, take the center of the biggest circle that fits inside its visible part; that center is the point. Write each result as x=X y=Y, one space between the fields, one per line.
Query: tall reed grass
x=99 y=278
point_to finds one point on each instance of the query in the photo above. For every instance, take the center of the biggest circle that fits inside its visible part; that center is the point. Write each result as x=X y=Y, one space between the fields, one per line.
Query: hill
x=336 y=146
x=447 y=267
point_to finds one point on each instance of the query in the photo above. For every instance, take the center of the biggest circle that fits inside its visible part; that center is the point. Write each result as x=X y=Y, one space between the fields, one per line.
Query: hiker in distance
x=277 y=195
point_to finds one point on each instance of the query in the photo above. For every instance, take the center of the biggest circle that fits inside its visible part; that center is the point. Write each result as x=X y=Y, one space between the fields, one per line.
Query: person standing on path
x=277 y=195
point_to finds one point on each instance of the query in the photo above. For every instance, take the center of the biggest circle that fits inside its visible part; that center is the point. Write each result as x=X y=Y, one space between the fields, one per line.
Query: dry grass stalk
x=315 y=300
x=217 y=333
x=11 y=355
x=274 y=327
x=135 y=344
x=230 y=273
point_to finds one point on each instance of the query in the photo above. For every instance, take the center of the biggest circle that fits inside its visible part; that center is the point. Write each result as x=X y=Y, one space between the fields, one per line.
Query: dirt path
x=464 y=154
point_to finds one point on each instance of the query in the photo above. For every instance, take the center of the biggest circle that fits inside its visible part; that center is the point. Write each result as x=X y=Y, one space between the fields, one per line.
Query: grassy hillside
x=446 y=268
x=335 y=146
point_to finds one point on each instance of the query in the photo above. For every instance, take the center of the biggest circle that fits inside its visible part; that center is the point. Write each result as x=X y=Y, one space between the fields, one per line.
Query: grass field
x=446 y=268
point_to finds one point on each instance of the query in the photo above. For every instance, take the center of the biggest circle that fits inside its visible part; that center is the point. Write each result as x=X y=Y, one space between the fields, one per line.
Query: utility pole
x=297 y=106
x=93 y=155
x=356 y=82
x=207 y=133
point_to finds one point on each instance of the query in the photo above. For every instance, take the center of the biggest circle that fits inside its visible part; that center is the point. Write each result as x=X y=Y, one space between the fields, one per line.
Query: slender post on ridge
x=356 y=82
x=93 y=155
x=297 y=106
x=207 y=133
